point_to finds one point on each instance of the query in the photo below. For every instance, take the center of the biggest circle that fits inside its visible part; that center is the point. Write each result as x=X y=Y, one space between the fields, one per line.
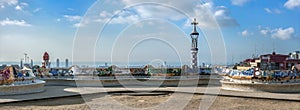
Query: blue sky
x=147 y=32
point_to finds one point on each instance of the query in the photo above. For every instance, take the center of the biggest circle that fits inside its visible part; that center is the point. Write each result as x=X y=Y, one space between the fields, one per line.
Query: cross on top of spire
x=194 y=22
x=195 y=29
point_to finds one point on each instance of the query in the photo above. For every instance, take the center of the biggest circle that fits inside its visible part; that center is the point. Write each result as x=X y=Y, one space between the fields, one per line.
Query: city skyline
x=246 y=26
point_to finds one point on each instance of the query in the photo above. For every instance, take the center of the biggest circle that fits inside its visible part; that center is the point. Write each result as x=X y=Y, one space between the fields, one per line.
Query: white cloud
x=8 y=2
x=139 y=12
x=81 y=23
x=275 y=11
x=222 y=15
x=37 y=10
x=245 y=33
x=239 y=2
x=268 y=10
x=119 y=17
x=283 y=34
x=105 y=14
x=207 y=14
x=18 y=7
x=13 y=3
x=72 y=18
x=70 y=9
x=264 y=31
x=159 y=12
x=211 y=16
x=8 y=22
x=24 y=4
x=291 y=4
x=77 y=20
x=126 y=19
x=204 y=15
x=279 y=33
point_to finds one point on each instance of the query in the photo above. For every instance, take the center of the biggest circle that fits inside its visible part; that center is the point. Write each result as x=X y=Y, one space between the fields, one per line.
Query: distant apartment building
x=272 y=61
x=294 y=59
x=249 y=63
x=295 y=55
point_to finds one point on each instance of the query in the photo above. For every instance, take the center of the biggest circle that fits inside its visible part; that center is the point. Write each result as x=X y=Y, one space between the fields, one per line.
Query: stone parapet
x=266 y=87
x=22 y=88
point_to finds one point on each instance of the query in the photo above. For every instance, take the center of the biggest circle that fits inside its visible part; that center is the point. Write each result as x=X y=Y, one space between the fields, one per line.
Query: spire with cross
x=195 y=23
x=194 y=50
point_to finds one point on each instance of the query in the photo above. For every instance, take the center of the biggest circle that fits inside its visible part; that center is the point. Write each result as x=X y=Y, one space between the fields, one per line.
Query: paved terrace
x=67 y=91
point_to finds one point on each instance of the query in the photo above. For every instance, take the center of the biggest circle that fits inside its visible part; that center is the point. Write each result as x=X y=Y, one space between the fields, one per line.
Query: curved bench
x=22 y=87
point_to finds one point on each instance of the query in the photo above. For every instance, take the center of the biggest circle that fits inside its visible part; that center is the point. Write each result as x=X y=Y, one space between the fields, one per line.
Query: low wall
x=129 y=82
x=272 y=87
x=22 y=88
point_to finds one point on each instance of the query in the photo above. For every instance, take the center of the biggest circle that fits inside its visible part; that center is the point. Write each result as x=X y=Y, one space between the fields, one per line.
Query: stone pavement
x=199 y=90
x=65 y=91
x=50 y=91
